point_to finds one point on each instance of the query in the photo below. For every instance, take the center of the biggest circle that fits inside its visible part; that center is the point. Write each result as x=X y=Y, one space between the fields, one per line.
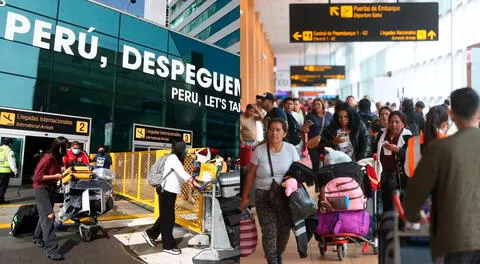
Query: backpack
x=25 y=220
x=294 y=136
x=155 y=176
x=342 y=194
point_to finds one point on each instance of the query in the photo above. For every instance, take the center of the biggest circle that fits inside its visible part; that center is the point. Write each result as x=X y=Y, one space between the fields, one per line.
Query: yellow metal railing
x=131 y=169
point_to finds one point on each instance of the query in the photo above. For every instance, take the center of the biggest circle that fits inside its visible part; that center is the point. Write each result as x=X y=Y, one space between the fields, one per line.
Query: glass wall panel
x=102 y=19
x=220 y=24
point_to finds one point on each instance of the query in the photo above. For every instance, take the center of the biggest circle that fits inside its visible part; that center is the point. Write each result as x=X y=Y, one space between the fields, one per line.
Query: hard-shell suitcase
x=229 y=183
x=76 y=173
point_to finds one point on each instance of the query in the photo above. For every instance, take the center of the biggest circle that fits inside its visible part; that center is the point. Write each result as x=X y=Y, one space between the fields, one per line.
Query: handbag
x=301 y=205
x=315 y=141
x=275 y=188
x=248 y=234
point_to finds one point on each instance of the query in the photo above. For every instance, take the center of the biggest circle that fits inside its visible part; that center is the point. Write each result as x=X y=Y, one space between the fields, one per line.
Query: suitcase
x=229 y=184
x=354 y=222
x=76 y=173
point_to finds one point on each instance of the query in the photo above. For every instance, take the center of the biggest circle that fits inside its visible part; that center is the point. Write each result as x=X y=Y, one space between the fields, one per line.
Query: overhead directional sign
x=319 y=71
x=315 y=75
x=356 y=22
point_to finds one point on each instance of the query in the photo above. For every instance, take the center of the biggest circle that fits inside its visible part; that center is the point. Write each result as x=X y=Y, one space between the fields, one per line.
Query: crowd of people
x=287 y=131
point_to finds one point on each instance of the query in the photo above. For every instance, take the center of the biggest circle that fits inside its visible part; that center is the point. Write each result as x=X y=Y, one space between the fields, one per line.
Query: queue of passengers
x=391 y=134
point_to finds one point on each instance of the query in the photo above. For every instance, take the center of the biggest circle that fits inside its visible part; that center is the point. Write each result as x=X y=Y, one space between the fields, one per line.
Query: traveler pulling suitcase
x=25 y=220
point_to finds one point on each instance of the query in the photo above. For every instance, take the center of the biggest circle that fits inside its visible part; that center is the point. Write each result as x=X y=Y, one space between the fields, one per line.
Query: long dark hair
x=435 y=117
x=59 y=148
x=353 y=118
x=179 y=149
x=313 y=109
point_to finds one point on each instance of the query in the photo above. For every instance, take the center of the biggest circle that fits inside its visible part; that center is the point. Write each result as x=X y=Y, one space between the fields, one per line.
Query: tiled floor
x=353 y=256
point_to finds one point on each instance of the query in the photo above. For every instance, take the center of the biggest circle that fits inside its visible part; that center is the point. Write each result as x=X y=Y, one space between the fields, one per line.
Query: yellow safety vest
x=4 y=155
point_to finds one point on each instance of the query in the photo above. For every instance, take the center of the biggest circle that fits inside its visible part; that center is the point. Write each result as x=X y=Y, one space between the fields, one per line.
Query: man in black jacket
x=365 y=113
x=415 y=122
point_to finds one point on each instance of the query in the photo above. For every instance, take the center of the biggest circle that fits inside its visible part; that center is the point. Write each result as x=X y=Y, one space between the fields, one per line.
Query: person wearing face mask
x=174 y=178
x=391 y=145
x=47 y=173
x=75 y=156
x=102 y=159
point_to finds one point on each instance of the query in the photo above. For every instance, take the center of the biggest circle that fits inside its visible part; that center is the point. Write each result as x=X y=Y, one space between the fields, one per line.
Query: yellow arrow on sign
x=297 y=35
x=431 y=34
x=334 y=11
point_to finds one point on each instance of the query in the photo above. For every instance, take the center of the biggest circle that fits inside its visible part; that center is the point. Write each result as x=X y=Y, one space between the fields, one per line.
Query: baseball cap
x=267 y=96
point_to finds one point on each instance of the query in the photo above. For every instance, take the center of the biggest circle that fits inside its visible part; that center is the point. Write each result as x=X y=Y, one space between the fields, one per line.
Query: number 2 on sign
x=82 y=127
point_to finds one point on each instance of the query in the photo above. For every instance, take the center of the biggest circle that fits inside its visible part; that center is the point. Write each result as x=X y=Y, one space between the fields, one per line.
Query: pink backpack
x=341 y=194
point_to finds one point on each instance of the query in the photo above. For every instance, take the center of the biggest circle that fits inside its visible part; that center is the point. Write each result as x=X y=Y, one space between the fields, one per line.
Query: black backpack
x=25 y=220
x=294 y=136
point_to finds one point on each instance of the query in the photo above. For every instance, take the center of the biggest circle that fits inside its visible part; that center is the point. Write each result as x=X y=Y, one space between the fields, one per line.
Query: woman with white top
x=175 y=176
x=269 y=164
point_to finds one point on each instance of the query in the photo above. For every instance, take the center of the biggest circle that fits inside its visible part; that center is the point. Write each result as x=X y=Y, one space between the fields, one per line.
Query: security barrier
x=131 y=170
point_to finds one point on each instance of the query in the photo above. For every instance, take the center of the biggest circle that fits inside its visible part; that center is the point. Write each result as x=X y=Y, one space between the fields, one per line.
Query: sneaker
x=173 y=251
x=149 y=240
x=55 y=256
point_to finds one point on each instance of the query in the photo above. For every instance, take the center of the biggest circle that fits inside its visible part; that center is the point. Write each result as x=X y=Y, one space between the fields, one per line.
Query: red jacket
x=70 y=157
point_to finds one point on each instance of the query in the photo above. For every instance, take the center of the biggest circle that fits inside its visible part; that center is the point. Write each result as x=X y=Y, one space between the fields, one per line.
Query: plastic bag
x=103 y=174
x=208 y=172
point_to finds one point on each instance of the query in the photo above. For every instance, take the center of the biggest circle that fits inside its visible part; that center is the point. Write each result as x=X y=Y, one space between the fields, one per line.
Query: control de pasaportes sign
x=164 y=135
x=363 y=22
x=43 y=122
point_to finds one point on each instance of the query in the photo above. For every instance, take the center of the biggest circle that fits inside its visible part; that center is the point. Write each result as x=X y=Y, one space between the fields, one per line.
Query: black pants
x=166 y=220
x=4 y=179
x=44 y=197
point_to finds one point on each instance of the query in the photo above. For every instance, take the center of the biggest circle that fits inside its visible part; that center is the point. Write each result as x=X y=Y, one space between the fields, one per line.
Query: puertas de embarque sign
x=357 y=22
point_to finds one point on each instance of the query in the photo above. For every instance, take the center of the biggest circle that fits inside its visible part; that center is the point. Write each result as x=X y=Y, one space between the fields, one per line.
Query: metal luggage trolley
x=392 y=242
x=219 y=247
x=88 y=198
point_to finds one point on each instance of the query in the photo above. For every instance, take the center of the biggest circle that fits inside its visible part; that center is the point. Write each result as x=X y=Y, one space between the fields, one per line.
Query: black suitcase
x=25 y=220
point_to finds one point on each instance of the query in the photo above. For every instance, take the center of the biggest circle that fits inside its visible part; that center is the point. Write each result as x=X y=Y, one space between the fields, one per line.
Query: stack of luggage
x=343 y=200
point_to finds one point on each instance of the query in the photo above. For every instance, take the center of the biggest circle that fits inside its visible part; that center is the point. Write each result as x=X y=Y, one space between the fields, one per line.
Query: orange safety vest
x=414 y=152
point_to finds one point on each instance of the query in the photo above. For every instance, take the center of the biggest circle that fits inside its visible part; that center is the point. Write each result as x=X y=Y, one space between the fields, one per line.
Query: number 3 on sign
x=82 y=127
x=186 y=138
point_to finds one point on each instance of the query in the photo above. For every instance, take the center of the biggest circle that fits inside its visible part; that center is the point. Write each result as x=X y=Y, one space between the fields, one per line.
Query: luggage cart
x=87 y=196
x=220 y=247
x=393 y=238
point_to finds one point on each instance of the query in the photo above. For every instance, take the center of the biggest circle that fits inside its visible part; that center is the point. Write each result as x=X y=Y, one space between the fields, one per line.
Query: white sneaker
x=149 y=240
x=173 y=251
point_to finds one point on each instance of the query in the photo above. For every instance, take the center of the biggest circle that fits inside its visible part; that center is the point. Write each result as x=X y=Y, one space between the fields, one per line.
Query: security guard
x=8 y=166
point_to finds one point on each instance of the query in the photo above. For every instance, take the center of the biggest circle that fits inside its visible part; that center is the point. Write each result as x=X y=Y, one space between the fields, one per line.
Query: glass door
x=18 y=148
